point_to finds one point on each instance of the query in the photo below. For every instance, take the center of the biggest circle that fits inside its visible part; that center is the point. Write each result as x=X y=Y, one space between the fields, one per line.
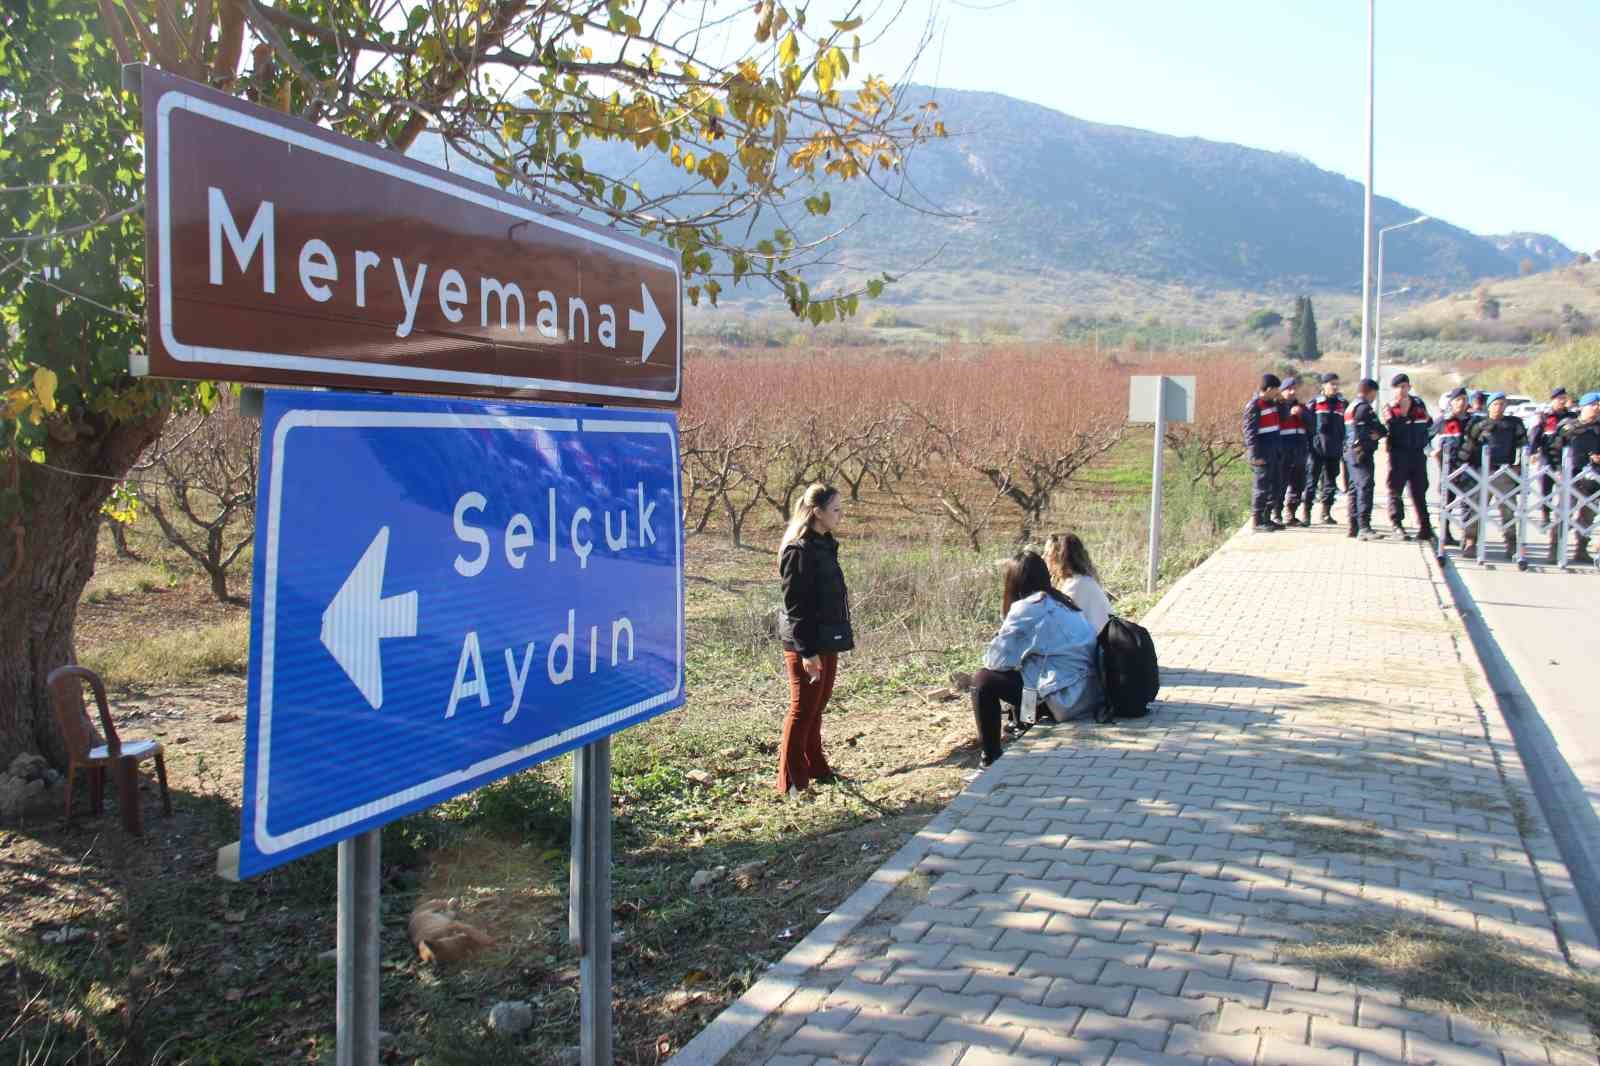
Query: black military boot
x=1511 y=544
x=1555 y=546
x=1262 y=524
x=1580 y=554
x=1449 y=538
x=1327 y=512
x=1294 y=518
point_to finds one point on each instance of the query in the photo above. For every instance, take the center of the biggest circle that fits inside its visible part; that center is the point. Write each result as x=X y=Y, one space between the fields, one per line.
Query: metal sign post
x=589 y=901
x=356 y=999
x=1153 y=567
x=1158 y=400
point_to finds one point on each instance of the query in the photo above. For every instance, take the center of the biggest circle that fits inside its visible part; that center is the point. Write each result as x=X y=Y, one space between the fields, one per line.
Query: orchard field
x=948 y=463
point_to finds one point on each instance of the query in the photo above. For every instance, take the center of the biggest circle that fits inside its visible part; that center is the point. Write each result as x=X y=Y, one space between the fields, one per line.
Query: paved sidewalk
x=1137 y=894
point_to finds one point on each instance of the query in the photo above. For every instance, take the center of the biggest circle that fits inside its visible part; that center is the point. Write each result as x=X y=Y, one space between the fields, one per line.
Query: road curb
x=1528 y=773
x=746 y=1014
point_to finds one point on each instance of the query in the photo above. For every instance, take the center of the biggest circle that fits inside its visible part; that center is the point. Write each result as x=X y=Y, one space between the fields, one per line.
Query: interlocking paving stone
x=892 y=1051
x=1148 y=1033
x=1135 y=893
x=1195 y=1044
x=1386 y=1042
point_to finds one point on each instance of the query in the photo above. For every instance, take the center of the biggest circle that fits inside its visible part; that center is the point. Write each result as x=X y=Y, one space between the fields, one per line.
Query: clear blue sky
x=1488 y=111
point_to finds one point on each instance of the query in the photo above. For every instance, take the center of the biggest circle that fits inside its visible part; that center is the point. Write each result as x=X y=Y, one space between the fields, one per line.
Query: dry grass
x=112 y=584
x=1331 y=831
x=173 y=658
x=1484 y=976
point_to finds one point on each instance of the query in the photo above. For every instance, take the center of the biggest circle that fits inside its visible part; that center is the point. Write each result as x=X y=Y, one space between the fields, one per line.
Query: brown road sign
x=278 y=252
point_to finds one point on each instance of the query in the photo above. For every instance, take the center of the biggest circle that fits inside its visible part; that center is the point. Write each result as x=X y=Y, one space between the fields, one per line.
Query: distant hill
x=1546 y=302
x=1028 y=193
x=1543 y=251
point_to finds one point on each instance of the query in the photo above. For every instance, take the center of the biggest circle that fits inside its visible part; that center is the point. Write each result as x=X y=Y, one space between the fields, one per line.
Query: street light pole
x=1377 y=302
x=1369 y=363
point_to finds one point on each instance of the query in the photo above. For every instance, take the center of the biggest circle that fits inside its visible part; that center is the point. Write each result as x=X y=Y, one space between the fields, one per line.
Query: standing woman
x=1074 y=574
x=815 y=628
x=1044 y=644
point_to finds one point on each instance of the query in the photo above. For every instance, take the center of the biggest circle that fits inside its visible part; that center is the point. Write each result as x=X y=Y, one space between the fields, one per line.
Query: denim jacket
x=1053 y=646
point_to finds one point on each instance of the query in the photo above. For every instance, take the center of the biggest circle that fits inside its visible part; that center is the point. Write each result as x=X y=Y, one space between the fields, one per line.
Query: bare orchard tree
x=1207 y=447
x=944 y=442
x=202 y=492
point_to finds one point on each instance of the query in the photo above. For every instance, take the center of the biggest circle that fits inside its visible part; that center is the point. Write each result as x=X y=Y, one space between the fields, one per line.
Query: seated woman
x=1074 y=574
x=1045 y=643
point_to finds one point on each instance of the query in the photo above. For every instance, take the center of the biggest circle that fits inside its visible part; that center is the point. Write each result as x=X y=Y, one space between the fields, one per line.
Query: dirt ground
x=162 y=961
x=135 y=951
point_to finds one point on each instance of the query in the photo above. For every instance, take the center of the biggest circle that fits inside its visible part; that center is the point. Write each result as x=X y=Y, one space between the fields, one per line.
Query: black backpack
x=1129 y=673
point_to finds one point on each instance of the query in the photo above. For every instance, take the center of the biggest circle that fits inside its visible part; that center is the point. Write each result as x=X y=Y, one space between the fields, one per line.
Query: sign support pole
x=1154 y=566
x=589 y=899
x=356 y=1001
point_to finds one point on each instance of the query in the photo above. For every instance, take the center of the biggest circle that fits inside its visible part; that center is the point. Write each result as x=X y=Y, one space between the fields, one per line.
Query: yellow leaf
x=846 y=27
x=715 y=168
x=44 y=387
x=789 y=50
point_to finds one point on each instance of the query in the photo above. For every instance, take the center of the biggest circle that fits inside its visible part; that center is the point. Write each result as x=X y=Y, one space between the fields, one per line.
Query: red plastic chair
x=87 y=748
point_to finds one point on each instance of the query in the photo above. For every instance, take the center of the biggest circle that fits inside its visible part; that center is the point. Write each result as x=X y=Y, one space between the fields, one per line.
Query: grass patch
x=1485 y=976
x=110 y=585
x=1521 y=815
x=1331 y=831
x=174 y=658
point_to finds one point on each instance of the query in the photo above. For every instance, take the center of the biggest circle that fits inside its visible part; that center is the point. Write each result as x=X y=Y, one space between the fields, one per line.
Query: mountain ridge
x=1021 y=189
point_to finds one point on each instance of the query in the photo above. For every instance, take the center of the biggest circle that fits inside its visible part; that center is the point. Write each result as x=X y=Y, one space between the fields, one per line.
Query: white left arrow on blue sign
x=360 y=616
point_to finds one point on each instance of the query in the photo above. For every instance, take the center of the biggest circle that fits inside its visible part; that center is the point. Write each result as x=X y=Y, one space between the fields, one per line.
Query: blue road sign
x=448 y=591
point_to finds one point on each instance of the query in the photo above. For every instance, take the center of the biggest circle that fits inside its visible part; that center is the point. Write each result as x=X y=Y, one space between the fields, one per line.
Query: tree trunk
x=219 y=584
x=40 y=589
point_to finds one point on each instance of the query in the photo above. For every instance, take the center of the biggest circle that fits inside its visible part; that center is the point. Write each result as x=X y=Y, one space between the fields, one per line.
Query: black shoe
x=1401 y=531
x=1294 y=522
x=986 y=761
x=1426 y=534
x=1263 y=527
x=1449 y=540
x=1352 y=534
x=1327 y=515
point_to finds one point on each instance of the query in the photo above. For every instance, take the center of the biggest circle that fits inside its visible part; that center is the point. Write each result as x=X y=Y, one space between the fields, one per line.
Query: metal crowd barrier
x=1579 y=493
x=1504 y=498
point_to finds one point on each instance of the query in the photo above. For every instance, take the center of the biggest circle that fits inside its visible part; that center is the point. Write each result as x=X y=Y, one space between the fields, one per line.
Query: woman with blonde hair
x=1074 y=574
x=815 y=628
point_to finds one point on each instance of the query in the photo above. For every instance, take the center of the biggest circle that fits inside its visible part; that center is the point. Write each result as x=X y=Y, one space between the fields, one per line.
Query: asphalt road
x=1538 y=634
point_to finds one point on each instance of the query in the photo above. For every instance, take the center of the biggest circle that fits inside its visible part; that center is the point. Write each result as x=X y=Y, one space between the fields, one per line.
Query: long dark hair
x=1026 y=573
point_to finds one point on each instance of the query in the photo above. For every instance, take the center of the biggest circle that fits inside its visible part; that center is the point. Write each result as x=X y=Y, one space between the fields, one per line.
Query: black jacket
x=814 y=591
x=1583 y=439
x=1546 y=436
x=1325 y=420
x=1452 y=430
x=1505 y=437
x=1409 y=428
x=1362 y=431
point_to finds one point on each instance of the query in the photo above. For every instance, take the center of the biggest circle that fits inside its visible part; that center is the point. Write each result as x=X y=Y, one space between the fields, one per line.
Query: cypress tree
x=1306 y=342
x=1296 y=328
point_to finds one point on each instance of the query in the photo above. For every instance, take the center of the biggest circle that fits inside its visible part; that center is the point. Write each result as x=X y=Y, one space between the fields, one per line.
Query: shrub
x=1575 y=365
x=1263 y=320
